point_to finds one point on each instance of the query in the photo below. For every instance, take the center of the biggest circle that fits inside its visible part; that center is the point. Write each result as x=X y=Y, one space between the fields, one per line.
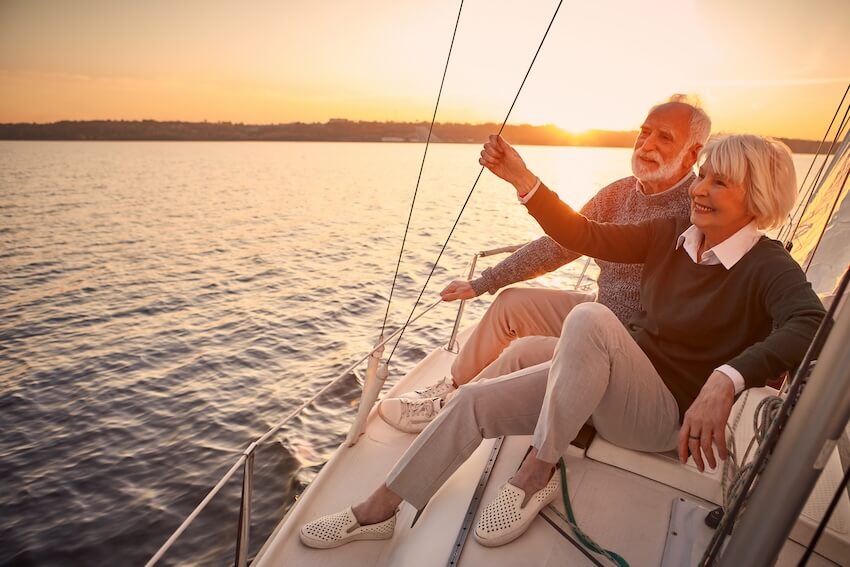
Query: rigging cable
x=838 y=194
x=812 y=164
x=475 y=183
x=809 y=195
x=421 y=167
x=828 y=218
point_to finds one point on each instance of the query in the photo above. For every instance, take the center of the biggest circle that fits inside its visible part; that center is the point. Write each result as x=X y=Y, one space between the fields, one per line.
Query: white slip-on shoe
x=337 y=529
x=409 y=415
x=439 y=389
x=503 y=520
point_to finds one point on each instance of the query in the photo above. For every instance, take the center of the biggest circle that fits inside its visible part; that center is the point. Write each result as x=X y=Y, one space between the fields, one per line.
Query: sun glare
x=603 y=64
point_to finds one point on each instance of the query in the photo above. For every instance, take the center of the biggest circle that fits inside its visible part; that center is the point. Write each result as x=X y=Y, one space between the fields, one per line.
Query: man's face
x=662 y=146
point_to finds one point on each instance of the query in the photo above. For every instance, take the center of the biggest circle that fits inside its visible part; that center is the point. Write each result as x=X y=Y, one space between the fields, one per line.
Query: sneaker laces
x=420 y=408
x=436 y=390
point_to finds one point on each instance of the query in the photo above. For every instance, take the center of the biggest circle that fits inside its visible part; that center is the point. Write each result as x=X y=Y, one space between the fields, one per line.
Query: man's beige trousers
x=598 y=372
x=522 y=325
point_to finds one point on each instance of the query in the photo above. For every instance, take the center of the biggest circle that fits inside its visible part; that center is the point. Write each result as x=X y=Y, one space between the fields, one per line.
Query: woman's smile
x=697 y=208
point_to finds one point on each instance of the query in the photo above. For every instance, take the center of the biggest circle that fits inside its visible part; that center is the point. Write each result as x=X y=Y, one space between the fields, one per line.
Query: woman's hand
x=458 y=289
x=499 y=157
x=705 y=422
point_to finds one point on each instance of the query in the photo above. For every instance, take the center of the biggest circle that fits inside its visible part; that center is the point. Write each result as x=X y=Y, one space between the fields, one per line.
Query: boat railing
x=453 y=344
x=246 y=459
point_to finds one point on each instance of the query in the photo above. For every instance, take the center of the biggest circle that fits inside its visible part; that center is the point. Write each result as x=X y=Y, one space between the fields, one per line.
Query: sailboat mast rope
x=826 y=222
x=421 y=167
x=816 y=156
x=839 y=134
x=792 y=227
x=478 y=177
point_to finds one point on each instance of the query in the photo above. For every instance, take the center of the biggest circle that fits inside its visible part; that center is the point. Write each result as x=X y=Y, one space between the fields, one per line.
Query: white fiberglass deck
x=614 y=497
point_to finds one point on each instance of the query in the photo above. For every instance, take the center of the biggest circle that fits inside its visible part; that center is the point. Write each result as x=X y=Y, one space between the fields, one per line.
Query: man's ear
x=693 y=154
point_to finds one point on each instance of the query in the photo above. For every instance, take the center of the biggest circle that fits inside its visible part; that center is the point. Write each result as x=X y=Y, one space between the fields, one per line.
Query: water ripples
x=163 y=304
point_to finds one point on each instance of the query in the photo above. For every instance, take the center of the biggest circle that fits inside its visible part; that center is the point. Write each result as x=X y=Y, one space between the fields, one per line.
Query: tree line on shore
x=334 y=130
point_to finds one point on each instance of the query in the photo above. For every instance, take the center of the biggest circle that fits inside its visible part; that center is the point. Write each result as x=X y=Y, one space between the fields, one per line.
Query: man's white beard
x=664 y=172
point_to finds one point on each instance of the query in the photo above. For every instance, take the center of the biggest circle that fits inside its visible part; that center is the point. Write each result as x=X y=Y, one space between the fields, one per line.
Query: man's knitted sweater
x=621 y=202
x=759 y=316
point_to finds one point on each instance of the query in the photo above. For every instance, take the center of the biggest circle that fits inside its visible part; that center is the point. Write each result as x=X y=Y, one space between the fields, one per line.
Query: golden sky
x=775 y=67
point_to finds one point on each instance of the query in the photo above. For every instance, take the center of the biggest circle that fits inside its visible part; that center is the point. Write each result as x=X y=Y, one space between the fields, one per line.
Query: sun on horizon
x=601 y=67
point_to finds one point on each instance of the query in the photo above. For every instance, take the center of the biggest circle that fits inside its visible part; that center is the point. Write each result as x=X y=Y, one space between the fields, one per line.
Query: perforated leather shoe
x=338 y=529
x=503 y=520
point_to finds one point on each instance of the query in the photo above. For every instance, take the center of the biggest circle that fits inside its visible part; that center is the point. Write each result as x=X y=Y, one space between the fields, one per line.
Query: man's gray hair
x=700 y=125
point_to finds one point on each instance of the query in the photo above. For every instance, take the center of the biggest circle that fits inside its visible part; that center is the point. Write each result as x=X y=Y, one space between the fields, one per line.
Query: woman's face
x=718 y=208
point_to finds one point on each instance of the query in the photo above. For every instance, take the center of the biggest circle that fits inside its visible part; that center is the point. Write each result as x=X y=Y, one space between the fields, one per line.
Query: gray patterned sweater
x=621 y=202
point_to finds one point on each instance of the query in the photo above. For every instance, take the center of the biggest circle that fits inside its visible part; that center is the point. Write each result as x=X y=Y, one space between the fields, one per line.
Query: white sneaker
x=409 y=415
x=439 y=389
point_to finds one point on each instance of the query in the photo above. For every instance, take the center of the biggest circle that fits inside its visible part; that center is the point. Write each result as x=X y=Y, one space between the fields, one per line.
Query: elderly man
x=665 y=151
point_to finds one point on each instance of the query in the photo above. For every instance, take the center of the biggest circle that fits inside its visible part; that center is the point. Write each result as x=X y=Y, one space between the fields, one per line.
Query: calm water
x=164 y=304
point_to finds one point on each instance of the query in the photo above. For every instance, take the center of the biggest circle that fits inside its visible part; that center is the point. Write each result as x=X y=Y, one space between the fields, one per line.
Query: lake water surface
x=163 y=304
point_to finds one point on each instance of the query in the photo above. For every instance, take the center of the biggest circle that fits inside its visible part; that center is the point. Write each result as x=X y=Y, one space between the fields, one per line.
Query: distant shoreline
x=334 y=130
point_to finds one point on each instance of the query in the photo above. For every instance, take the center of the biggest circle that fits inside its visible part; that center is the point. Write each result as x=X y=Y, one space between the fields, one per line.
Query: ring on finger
x=697 y=437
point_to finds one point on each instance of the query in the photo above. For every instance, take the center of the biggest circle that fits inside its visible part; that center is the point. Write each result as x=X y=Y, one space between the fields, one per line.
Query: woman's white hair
x=763 y=166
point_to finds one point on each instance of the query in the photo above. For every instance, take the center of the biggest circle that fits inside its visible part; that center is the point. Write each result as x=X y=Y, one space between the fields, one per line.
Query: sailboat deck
x=621 y=510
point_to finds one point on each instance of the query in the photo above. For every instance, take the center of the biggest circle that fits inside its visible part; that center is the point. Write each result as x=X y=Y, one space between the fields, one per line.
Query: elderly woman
x=725 y=308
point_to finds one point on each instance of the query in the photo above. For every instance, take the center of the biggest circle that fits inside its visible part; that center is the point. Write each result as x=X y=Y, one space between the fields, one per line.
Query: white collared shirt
x=525 y=198
x=727 y=253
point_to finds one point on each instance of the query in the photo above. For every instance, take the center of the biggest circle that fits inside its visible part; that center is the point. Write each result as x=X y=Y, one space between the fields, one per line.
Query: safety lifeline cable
x=475 y=183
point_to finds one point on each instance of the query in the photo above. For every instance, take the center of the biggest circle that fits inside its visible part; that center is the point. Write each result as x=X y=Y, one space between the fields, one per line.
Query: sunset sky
x=776 y=67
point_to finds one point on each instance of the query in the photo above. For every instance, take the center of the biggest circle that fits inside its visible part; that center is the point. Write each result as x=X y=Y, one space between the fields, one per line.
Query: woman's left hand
x=705 y=422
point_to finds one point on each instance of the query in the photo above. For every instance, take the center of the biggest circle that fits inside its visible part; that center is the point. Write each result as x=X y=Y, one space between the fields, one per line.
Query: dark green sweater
x=759 y=317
